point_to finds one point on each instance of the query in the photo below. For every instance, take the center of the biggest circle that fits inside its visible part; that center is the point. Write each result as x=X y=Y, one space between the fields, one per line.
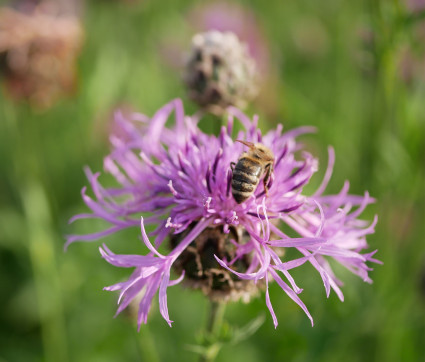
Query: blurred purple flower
x=182 y=178
x=415 y=5
x=40 y=45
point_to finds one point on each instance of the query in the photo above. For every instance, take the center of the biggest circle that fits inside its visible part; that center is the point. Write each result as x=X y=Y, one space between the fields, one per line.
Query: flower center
x=202 y=270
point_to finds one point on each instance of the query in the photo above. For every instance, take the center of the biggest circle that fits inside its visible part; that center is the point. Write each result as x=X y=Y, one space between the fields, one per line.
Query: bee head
x=259 y=150
x=263 y=152
x=259 y=147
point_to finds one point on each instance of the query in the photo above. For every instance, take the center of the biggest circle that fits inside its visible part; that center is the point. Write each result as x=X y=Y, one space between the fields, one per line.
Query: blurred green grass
x=52 y=304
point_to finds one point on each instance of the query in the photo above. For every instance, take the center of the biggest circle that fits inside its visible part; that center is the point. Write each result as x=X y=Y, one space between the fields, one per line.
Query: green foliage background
x=52 y=307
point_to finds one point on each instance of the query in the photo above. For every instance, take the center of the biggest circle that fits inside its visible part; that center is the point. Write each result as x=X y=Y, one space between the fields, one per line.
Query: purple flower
x=182 y=178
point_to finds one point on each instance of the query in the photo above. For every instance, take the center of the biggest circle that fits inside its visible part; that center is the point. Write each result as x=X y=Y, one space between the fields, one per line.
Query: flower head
x=182 y=177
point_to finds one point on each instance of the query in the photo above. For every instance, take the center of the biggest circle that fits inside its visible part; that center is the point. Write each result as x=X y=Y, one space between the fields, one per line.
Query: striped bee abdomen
x=246 y=176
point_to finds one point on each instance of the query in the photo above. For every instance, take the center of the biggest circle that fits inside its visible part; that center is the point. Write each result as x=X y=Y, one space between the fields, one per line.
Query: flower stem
x=146 y=346
x=42 y=239
x=41 y=247
x=215 y=321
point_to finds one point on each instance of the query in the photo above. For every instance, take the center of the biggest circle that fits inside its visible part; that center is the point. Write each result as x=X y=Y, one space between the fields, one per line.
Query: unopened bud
x=220 y=72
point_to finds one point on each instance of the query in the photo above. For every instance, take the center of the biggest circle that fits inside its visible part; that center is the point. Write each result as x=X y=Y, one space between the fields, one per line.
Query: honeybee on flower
x=183 y=177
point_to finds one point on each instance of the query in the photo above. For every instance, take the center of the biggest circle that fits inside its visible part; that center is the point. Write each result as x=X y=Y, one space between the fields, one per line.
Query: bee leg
x=232 y=165
x=267 y=177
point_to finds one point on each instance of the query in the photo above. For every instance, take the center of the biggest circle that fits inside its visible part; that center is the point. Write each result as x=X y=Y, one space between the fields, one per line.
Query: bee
x=248 y=170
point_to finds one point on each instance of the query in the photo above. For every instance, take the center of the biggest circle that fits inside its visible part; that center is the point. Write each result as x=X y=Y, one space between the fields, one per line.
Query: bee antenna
x=246 y=143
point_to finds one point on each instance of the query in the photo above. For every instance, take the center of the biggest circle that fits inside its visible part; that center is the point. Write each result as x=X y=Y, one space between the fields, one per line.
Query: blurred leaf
x=248 y=330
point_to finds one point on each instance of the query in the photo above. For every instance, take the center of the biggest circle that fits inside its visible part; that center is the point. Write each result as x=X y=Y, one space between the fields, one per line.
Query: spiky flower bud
x=220 y=72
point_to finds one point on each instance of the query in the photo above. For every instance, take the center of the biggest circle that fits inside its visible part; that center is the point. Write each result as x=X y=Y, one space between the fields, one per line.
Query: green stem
x=41 y=239
x=219 y=121
x=146 y=345
x=215 y=321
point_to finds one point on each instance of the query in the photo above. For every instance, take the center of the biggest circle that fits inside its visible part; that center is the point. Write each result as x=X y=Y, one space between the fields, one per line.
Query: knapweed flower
x=220 y=72
x=179 y=179
x=40 y=49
